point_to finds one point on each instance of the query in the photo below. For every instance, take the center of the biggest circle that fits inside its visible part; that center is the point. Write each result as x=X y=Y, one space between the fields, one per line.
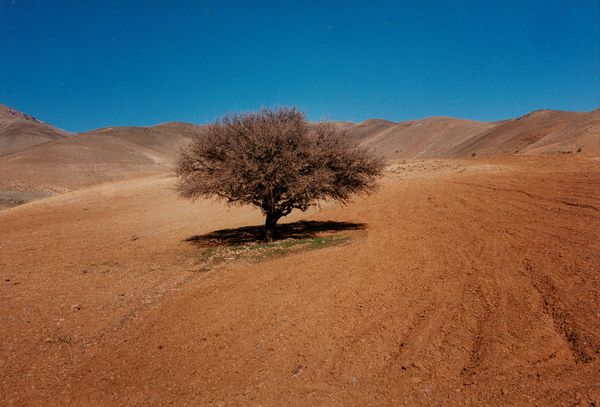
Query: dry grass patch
x=256 y=252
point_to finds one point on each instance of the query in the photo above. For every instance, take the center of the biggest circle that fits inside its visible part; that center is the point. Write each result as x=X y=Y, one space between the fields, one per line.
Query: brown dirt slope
x=476 y=282
x=19 y=131
x=69 y=163
x=583 y=134
x=543 y=131
x=539 y=132
x=361 y=132
x=97 y=156
x=427 y=138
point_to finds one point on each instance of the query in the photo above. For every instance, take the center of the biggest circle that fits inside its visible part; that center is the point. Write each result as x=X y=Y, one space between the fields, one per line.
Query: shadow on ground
x=250 y=234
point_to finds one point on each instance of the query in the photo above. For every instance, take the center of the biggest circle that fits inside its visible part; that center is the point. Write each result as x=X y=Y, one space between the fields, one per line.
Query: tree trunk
x=270 y=224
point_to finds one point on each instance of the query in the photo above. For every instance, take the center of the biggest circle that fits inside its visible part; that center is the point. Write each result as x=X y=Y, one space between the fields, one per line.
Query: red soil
x=474 y=282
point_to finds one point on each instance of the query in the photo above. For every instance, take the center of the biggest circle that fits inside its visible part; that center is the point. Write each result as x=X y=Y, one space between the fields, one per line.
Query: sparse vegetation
x=276 y=161
x=259 y=251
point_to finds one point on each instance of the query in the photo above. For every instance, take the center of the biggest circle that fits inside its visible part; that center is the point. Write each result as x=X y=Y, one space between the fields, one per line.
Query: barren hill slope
x=62 y=163
x=363 y=131
x=542 y=131
x=97 y=156
x=581 y=133
x=539 y=132
x=426 y=138
x=19 y=131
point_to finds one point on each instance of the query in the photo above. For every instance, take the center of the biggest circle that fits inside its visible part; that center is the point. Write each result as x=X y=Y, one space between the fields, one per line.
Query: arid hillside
x=19 y=131
x=44 y=161
x=543 y=131
x=471 y=277
x=90 y=158
x=581 y=134
x=98 y=156
x=460 y=282
x=427 y=138
x=540 y=132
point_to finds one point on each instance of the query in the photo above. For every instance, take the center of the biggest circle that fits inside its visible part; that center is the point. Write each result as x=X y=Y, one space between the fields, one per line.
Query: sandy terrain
x=472 y=282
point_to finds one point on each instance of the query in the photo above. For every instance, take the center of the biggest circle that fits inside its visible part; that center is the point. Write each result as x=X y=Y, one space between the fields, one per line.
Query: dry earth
x=38 y=160
x=539 y=132
x=473 y=282
x=19 y=131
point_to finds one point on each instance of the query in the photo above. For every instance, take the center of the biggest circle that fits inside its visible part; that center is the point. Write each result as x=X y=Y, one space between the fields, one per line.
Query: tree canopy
x=277 y=161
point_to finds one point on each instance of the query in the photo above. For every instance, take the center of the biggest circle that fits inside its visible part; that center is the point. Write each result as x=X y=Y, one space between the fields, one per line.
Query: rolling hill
x=542 y=131
x=19 y=131
x=539 y=132
x=461 y=281
x=581 y=133
x=97 y=156
x=37 y=159
x=426 y=138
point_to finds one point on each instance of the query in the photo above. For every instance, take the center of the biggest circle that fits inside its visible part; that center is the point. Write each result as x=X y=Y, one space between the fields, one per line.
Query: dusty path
x=474 y=282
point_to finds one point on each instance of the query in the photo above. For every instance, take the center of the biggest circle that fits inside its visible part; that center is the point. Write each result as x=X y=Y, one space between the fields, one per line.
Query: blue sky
x=87 y=64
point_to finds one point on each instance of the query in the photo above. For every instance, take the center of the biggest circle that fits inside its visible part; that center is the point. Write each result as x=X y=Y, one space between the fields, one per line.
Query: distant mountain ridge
x=35 y=153
x=529 y=134
x=539 y=132
x=100 y=155
x=427 y=138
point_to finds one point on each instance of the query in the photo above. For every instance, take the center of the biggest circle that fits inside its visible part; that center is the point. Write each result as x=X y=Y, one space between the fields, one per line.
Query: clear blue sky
x=87 y=64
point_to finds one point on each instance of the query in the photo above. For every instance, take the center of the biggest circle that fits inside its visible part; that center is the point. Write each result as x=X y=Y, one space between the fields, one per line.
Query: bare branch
x=277 y=161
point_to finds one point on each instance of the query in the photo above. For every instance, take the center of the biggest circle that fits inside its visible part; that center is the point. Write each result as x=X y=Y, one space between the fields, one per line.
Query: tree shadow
x=251 y=234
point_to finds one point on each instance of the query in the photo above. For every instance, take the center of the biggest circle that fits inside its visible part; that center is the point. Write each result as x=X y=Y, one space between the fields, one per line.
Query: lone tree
x=277 y=161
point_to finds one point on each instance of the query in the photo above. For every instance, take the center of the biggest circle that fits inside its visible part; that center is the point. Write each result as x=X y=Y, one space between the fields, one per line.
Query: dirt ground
x=473 y=282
